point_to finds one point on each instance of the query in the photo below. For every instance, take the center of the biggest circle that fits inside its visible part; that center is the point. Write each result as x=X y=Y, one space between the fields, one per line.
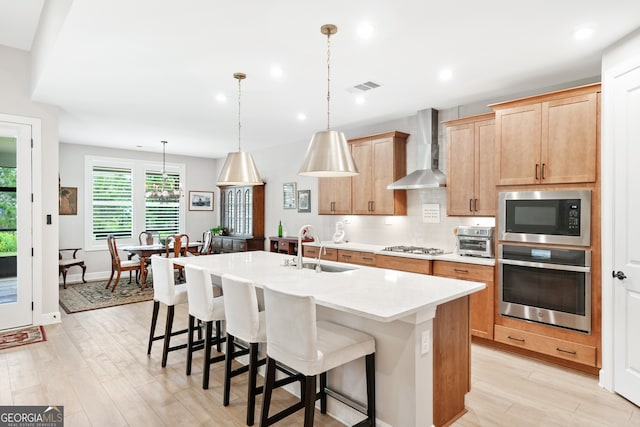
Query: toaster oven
x=475 y=241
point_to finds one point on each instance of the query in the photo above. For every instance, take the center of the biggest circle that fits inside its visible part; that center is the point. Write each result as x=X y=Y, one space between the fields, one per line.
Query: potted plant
x=217 y=231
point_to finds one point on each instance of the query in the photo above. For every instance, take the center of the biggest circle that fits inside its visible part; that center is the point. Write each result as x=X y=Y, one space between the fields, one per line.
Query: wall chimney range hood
x=427 y=175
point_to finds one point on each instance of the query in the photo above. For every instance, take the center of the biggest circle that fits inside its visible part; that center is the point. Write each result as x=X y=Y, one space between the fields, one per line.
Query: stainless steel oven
x=549 y=217
x=546 y=285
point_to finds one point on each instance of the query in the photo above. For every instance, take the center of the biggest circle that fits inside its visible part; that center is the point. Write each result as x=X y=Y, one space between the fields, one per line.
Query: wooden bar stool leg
x=269 y=380
x=154 y=321
x=167 y=334
x=370 y=362
x=310 y=400
x=207 y=355
x=190 y=344
x=251 y=388
x=323 y=394
x=228 y=358
x=218 y=336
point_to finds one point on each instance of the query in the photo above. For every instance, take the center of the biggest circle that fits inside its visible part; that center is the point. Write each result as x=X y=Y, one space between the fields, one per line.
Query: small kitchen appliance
x=338 y=236
x=475 y=241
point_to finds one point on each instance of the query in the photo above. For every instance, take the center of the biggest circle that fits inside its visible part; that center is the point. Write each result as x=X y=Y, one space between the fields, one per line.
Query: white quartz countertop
x=378 y=249
x=374 y=293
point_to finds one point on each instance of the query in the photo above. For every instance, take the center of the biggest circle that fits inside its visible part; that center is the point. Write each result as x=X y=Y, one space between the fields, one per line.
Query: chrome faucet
x=318 y=267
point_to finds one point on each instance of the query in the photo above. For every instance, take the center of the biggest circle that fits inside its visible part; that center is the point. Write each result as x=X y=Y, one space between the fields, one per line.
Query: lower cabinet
x=579 y=353
x=410 y=265
x=223 y=244
x=328 y=254
x=482 y=302
x=357 y=257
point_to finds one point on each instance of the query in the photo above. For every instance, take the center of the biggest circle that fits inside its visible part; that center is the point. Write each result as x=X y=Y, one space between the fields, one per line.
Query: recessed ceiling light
x=302 y=117
x=365 y=31
x=221 y=98
x=360 y=100
x=446 y=74
x=276 y=71
x=583 y=33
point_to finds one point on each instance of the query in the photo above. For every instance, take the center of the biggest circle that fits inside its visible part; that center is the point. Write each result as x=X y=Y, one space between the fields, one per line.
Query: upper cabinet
x=470 y=166
x=381 y=159
x=243 y=212
x=548 y=139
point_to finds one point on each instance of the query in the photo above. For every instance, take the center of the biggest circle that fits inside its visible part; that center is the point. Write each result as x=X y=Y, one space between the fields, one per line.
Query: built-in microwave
x=551 y=217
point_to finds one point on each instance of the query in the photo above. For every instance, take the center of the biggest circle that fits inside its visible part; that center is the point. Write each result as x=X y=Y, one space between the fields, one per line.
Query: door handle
x=475 y=205
x=543 y=166
x=618 y=275
x=537 y=167
x=470 y=206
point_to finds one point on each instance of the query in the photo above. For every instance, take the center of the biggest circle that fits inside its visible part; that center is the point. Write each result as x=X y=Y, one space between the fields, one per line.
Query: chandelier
x=167 y=190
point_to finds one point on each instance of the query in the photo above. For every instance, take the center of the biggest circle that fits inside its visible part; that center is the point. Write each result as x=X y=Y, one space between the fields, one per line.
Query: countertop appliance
x=545 y=285
x=475 y=241
x=550 y=217
x=420 y=250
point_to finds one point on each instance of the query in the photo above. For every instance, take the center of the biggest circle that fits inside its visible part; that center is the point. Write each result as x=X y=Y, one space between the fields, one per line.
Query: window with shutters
x=115 y=202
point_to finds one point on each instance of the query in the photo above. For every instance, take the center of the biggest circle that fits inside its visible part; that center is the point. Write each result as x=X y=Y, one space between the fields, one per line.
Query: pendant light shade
x=239 y=167
x=328 y=154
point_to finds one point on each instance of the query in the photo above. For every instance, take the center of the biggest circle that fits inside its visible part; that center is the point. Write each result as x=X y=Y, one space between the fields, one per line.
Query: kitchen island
x=420 y=324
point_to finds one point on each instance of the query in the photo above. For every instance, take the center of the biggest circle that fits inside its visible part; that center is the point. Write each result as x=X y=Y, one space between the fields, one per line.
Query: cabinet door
x=518 y=145
x=342 y=196
x=325 y=196
x=362 y=194
x=485 y=199
x=460 y=172
x=569 y=140
x=383 y=201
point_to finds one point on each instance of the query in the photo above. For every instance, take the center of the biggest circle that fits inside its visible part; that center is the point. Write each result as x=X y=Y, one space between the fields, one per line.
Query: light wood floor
x=95 y=364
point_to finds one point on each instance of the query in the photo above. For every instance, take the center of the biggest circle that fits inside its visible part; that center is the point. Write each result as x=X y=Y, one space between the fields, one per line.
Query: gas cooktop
x=414 y=250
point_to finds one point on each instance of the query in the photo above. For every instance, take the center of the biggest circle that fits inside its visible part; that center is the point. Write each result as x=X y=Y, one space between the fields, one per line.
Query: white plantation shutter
x=162 y=215
x=112 y=201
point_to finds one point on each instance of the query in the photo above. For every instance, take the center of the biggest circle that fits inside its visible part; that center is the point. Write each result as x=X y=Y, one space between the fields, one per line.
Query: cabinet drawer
x=568 y=350
x=238 y=245
x=457 y=270
x=357 y=257
x=284 y=246
x=411 y=265
x=227 y=244
x=328 y=254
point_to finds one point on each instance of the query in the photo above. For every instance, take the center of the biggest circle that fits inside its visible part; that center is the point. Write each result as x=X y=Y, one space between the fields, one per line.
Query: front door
x=625 y=92
x=15 y=226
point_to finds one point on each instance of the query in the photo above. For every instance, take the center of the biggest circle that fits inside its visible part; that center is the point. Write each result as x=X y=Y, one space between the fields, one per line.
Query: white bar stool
x=296 y=339
x=165 y=291
x=208 y=309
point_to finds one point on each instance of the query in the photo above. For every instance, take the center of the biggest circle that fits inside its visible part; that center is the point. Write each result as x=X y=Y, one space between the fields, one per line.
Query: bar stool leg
x=207 y=355
x=251 y=389
x=154 y=321
x=190 y=344
x=228 y=358
x=269 y=380
x=370 y=362
x=218 y=335
x=323 y=394
x=167 y=334
x=310 y=400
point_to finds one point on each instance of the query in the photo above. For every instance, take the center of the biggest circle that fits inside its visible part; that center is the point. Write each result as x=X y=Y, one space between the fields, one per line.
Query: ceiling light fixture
x=239 y=167
x=583 y=33
x=328 y=154
x=167 y=190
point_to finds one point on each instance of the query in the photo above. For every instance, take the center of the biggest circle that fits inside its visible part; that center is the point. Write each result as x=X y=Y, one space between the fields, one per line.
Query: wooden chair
x=207 y=242
x=146 y=238
x=177 y=246
x=118 y=265
x=65 y=263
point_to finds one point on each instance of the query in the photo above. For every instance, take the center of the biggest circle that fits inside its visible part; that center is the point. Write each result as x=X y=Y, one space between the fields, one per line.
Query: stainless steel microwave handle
x=548 y=266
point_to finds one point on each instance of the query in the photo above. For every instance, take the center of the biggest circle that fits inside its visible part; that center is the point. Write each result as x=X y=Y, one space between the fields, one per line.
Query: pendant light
x=328 y=154
x=239 y=167
x=168 y=190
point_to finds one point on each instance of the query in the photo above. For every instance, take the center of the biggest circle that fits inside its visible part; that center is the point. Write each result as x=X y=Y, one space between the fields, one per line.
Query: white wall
x=201 y=175
x=15 y=87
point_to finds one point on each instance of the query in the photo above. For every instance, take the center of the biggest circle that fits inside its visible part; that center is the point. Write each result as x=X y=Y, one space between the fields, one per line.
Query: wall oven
x=546 y=285
x=548 y=217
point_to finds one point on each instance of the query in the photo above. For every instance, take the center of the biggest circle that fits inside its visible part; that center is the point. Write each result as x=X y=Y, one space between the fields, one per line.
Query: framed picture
x=200 y=200
x=68 y=201
x=289 y=195
x=304 y=201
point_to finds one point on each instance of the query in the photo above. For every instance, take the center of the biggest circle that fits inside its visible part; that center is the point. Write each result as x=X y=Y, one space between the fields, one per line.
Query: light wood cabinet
x=334 y=196
x=411 y=265
x=357 y=257
x=470 y=166
x=579 y=353
x=482 y=302
x=548 y=139
x=381 y=160
x=328 y=254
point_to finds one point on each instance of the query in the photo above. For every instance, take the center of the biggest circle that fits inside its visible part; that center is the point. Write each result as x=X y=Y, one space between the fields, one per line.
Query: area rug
x=18 y=337
x=92 y=295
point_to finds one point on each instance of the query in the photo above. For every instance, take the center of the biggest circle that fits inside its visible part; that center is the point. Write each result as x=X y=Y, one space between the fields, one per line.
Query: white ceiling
x=128 y=74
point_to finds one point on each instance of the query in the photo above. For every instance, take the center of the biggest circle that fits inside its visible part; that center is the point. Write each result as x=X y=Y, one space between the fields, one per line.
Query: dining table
x=145 y=252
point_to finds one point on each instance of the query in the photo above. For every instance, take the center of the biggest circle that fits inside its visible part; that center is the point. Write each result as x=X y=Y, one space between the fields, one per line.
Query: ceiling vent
x=363 y=87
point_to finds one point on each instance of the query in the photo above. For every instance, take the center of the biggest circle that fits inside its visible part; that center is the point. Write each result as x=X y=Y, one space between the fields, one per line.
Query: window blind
x=112 y=201
x=162 y=215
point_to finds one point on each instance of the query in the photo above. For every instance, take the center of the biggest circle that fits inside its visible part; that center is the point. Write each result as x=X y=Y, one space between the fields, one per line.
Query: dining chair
x=311 y=347
x=207 y=241
x=146 y=237
x=119 y=265
x=176 y=246
x=208 y=309
x=64 y=263
x=165 y=291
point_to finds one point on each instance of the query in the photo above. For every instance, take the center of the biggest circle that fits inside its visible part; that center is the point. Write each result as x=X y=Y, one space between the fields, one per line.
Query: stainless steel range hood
x=427 y=175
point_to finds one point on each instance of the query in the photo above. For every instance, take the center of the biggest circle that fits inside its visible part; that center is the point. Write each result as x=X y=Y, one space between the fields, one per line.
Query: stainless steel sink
x=327 y=268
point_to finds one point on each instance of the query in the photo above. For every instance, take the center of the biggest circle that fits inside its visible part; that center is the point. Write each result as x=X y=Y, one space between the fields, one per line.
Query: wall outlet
x=426 y=342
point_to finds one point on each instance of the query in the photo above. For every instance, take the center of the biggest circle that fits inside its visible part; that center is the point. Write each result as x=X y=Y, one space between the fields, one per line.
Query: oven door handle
x=548 y=266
